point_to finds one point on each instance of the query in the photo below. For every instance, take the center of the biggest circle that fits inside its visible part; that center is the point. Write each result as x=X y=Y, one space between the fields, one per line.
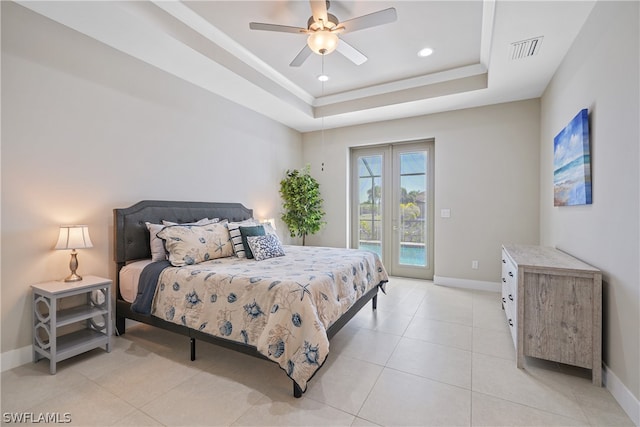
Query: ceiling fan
x=323 y=29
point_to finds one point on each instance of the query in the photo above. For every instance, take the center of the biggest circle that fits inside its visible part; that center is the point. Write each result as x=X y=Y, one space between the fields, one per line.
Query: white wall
x=87 y=129
x=601 y=73
x=486 y=172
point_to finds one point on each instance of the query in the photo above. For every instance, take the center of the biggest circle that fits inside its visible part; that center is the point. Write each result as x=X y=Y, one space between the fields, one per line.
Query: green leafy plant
x=302 y=203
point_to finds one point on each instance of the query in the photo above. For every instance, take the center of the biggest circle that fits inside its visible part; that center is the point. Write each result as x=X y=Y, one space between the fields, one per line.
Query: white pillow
x=158 y=252
x=268 y=228
x=203 y=221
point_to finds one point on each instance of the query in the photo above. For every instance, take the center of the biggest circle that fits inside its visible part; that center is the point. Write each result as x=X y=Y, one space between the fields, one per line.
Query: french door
x=392 y=205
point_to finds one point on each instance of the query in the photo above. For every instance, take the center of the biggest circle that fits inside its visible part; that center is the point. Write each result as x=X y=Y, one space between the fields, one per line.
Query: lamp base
x=73 y=266
x=73 y=278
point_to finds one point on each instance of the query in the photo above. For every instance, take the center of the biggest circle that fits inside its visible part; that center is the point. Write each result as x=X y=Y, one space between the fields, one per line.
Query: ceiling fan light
x=322 y=42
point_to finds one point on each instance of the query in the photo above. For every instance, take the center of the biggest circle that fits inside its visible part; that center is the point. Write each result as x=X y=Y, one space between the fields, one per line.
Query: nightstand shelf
x=93 y=318
x=77 y=314
x=78 y=342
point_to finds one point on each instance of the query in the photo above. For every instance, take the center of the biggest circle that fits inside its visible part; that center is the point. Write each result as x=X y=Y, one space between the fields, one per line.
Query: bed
x=284 y=304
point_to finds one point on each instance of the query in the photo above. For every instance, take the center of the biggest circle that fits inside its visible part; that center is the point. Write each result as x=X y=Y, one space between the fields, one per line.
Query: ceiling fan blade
x=319 y=10
x=275 y=27
x=351 y=53
x=380 y=17
x=301 y=56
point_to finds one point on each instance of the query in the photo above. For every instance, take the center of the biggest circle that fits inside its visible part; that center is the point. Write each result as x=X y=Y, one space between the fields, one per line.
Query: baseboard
x=14 y=358
x=629 y=403
x=478 y=285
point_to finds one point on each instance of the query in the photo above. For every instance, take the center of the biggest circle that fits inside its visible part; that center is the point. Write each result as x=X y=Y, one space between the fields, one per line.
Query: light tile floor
x=429 y=355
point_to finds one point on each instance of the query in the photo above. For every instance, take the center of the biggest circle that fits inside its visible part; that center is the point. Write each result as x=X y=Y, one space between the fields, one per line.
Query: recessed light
x=425 y=52
x=323 y=77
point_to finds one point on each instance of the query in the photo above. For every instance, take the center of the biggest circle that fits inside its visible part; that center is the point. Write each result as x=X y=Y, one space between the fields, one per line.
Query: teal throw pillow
x=255 y=230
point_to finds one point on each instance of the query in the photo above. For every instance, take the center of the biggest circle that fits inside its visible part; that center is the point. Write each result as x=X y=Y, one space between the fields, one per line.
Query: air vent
x=526 y=48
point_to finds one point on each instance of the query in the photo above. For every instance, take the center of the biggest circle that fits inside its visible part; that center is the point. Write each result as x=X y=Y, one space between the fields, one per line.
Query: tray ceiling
x=209 y=43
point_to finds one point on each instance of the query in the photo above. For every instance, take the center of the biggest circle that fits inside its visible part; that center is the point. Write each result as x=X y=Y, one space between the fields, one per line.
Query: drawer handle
x=504 y=280
x=510 y=297
x=511 y=274
x=504 y=262
x=510 y=322
x=504 y=300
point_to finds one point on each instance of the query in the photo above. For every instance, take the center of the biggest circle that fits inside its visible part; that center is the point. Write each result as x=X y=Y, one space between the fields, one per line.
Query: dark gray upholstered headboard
x=132 y=237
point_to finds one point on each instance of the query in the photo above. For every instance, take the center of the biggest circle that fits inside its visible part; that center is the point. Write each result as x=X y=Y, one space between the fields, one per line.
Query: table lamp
x=74 y=237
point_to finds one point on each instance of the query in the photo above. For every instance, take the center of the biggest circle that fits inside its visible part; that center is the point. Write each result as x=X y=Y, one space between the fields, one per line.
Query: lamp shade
x=322 y=42
x=74 y=237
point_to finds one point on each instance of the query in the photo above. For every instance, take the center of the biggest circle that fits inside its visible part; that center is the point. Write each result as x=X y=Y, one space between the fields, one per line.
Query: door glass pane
x=370 y=203
x=413 y=208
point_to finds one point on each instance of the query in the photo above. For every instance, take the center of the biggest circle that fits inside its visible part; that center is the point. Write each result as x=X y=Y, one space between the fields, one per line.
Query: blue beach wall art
x=572 y=163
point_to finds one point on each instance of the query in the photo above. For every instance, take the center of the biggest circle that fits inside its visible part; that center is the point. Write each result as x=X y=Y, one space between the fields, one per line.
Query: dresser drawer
x=509 y=294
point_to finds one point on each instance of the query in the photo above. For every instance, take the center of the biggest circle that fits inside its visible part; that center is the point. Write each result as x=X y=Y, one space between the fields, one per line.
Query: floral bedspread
x=282 y=306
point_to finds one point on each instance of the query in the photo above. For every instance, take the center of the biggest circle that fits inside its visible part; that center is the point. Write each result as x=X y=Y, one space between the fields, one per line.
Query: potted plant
x=302 y=203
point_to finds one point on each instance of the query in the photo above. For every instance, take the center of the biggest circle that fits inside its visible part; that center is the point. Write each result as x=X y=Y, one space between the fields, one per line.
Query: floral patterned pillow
x=264 y=247
x=158 y=252
x=193 y=244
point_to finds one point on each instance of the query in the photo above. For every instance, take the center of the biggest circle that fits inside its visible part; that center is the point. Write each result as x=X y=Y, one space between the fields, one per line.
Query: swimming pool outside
x=410 y=253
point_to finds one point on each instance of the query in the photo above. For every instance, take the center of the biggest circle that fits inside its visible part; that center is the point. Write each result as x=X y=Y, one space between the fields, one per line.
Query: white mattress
x=129 y=277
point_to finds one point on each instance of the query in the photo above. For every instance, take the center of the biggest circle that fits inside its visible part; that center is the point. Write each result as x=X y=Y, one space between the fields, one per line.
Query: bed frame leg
x=120 y=325
x=374 y=302
x=297 y=391
x=193 y=349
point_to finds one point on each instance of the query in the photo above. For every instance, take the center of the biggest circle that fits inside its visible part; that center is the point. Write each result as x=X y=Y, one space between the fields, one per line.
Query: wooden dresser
x=553 y=304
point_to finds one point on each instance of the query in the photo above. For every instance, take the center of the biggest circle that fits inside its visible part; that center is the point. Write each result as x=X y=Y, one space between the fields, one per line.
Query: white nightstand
x=47 y=318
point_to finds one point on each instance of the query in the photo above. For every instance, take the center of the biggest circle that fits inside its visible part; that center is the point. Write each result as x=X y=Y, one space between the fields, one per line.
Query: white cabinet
x=509 y=294
x=553 y=304
x=93 y=319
